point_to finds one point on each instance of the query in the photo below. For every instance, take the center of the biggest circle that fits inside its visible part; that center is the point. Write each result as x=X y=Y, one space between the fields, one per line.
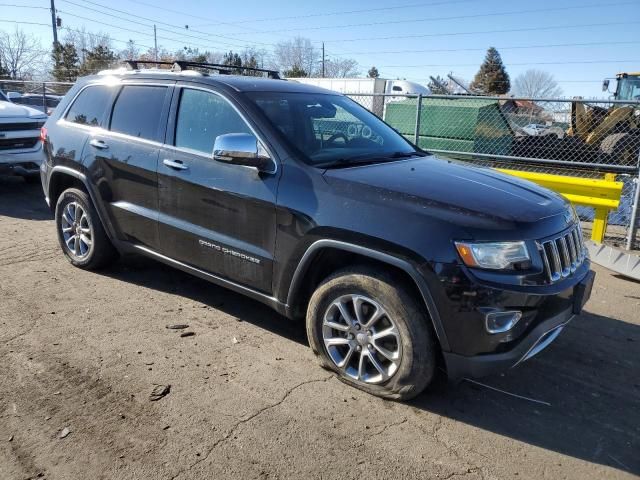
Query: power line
x=169 y=39
x=22 y=6
x=158 y=22
x=519 y=47
x=526 y=64
x=323 y=14
x=480 y=32
x=69 y=29
x=456 y=17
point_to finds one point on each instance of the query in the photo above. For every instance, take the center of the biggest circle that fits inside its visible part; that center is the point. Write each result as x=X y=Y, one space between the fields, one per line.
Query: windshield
x=628 y=88
x=331 y=130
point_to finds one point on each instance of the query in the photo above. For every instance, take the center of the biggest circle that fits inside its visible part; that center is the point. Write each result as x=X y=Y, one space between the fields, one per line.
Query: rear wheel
x=80 y=232
x=366 y=326
x=621 y=148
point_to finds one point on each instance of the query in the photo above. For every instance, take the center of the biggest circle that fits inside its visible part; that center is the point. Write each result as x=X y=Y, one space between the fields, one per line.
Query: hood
x=452 y=188
x=13 y=110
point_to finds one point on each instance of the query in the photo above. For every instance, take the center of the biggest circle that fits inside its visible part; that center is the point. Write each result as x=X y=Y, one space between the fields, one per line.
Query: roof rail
x=180 y=65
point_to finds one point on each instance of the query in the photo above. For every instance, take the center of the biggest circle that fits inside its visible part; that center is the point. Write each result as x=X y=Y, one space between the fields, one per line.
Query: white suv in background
x=20 y=147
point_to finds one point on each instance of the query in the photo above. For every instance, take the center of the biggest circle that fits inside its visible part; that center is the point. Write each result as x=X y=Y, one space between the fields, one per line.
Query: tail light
x=43 y=134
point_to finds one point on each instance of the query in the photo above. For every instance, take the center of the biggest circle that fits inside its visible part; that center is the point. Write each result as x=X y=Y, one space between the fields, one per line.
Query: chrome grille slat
x=573 y=252
x=562 y=255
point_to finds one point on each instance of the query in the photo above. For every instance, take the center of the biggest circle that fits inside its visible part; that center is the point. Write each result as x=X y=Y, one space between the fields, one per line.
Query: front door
x=214 y=216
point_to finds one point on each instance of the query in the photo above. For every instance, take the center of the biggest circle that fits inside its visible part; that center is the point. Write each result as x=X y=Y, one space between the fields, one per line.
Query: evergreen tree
x=295 y=72
x=3 y=71
x=65 y=62
x=373 y=72
x=438 y=85
x=492 y=78
x=98 y=58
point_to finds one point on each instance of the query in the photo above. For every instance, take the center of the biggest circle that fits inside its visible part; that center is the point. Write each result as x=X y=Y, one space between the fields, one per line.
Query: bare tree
x=536 y=84
x=21 y=55
x=341 y=68
x=297 y=54
x=131 y=52
x=86 y=41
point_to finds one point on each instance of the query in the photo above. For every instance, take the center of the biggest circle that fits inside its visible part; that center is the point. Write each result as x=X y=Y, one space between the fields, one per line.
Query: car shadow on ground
x=20 y=199
x=584 y=398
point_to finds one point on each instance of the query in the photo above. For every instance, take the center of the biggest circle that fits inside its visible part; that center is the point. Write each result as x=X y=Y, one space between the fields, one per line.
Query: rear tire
x=621 y=148
x=80 y=232
x=342 y=329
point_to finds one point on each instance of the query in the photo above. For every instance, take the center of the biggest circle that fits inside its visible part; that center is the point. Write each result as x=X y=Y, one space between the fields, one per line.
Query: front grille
x=14 y=127
x=15 y=143
x=564 y=254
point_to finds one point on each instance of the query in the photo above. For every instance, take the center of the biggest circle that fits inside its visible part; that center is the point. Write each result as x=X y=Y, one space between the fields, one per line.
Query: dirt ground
x=82 y=351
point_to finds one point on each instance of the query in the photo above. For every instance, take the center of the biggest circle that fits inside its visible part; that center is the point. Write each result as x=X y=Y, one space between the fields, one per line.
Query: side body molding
x=315 y=247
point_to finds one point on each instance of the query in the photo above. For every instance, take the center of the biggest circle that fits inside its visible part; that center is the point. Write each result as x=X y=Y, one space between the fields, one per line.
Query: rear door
x=123 y=160
x=214 y=216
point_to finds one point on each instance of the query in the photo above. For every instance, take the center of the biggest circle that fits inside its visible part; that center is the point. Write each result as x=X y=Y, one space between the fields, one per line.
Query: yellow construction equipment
x=601 y=194
x=616 y=130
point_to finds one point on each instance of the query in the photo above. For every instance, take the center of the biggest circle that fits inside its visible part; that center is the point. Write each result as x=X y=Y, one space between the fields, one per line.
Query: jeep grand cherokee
x=399 y=261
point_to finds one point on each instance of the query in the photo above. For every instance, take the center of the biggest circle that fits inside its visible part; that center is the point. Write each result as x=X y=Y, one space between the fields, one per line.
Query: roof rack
x=180 y=65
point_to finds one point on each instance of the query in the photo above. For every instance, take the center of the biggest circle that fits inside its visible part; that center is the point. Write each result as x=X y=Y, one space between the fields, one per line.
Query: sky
x=580 y=42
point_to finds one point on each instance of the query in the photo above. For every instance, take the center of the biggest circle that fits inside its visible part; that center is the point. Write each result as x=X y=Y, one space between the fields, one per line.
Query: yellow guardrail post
x=603 y=195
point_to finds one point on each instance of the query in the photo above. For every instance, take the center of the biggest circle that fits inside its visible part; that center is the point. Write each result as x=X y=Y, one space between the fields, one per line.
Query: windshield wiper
x=369 y=159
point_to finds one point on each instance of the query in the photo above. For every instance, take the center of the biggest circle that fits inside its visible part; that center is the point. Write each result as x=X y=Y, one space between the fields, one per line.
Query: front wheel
x=80 y=232
x=368 y=328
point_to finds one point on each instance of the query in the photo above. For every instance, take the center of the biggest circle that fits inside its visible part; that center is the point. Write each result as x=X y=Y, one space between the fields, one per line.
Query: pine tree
x=438 y=85
x=373 y=72
x=98 y=58
x=65 y=62
x=3 y=71
x=295 y=72
x=492 y=78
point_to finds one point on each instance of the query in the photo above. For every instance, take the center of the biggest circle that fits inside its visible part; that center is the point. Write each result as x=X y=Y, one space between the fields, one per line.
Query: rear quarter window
x=137 y=111
x=90 y=105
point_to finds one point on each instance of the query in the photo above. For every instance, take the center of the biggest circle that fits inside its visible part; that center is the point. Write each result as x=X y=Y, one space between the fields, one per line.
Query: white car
x=21 y=150
x=537 y=129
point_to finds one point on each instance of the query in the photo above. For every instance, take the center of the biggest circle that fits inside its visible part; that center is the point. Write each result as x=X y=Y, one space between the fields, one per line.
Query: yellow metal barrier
x=602 y=195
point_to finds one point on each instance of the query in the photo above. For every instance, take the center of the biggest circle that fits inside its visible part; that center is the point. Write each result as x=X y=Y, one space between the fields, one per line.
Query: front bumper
x=25 y=162
x=530 y=344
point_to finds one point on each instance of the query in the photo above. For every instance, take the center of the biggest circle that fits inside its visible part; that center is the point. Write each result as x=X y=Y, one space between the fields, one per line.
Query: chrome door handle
x=98 y=144
x=176 y=164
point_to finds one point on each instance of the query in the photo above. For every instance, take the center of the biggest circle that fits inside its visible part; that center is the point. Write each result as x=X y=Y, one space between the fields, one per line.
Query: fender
x=83 y=178
x=404 y=265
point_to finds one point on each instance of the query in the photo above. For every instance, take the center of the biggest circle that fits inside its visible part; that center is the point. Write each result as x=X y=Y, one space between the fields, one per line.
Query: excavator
x=615 y=131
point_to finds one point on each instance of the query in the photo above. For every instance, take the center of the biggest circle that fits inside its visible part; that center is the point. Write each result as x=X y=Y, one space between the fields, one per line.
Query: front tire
x=80 y=232
x=367 y=327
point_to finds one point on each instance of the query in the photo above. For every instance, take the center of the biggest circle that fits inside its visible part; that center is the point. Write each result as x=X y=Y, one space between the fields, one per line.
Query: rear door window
x=89 y=107
x=137 y=111
x=202 y=117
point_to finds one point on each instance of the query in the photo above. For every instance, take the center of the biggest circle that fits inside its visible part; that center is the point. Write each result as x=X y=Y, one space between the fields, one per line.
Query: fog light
x=499 y=321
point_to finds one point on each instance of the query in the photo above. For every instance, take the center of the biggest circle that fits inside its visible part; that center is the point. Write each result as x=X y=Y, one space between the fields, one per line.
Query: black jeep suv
x=401 y=262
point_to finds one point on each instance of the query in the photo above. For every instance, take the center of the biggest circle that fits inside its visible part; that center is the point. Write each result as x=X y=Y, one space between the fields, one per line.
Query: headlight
x=496 y=256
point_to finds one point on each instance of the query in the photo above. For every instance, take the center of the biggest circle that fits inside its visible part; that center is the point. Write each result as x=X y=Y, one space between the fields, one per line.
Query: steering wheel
x=336 y=136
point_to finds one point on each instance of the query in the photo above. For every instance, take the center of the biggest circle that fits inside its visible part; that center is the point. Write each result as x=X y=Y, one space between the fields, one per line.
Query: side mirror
x=605 y=85
x=242 y=149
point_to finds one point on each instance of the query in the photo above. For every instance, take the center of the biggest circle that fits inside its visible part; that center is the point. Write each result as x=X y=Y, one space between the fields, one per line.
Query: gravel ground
x=82 y=351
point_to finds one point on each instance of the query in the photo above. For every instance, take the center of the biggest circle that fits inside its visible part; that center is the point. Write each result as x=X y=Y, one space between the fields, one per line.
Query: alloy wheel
x=362 y=339
x=76 y=230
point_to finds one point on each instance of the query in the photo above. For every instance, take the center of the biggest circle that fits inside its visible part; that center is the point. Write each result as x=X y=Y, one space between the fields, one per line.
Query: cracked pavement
x=82 y=350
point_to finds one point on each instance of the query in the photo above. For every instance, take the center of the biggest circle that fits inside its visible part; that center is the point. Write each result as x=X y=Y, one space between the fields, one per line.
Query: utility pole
x=54 y=24
x=322 y=57
x=155 y=44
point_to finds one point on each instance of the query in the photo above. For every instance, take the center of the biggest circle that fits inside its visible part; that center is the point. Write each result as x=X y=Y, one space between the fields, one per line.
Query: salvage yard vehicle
x=20 y=147
x=400 y=262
